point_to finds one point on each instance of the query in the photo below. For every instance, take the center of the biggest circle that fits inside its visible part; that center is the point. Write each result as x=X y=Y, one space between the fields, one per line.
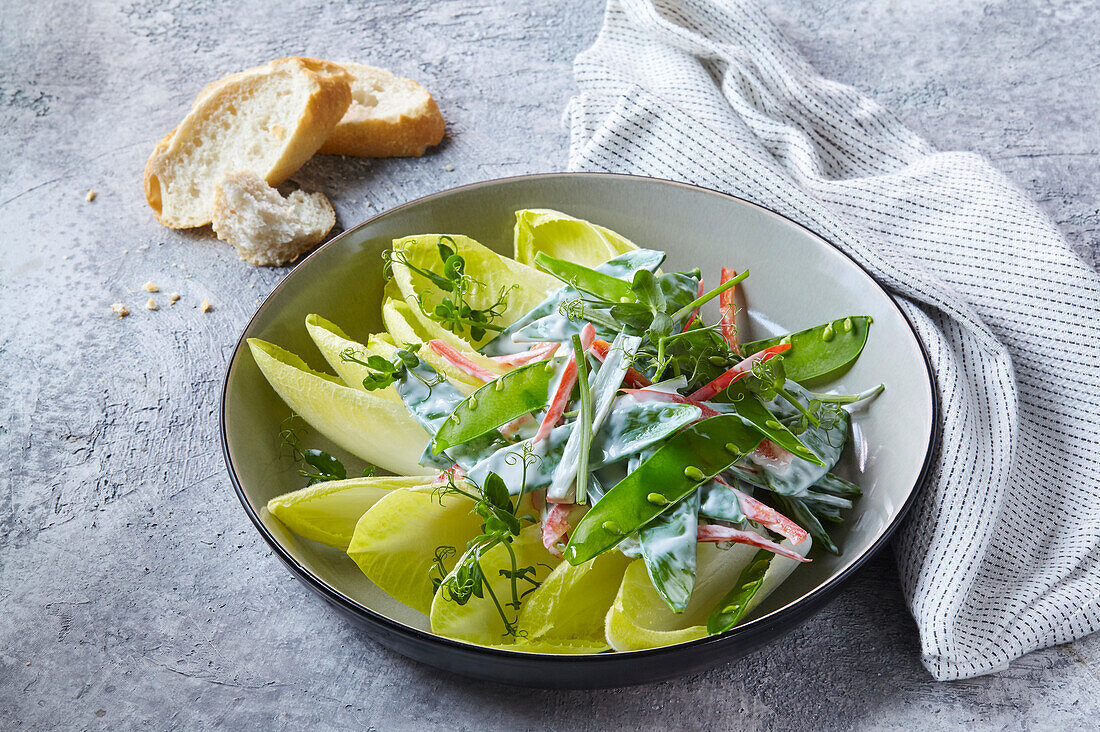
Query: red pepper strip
x=772 y=454
x=633 y=379
x=560 y=399
x=556 y=525
x=695 y=312
x=514 y=426
x=767 y=516
x=710 y=390
x=725 y=302
x=537 y=352
x=461 y=362
x=717 y=534
x=652 y=395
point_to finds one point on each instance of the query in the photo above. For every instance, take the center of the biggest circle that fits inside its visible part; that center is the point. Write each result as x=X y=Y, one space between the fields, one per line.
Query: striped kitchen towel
x=1000 y=554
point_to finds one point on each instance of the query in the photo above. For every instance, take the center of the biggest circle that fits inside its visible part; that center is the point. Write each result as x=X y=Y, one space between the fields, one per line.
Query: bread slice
x=389 y=117
x=270 y=119
x=266 y=228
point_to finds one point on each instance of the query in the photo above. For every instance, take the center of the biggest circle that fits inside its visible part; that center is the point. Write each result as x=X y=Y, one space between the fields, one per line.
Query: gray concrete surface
x=134 y=592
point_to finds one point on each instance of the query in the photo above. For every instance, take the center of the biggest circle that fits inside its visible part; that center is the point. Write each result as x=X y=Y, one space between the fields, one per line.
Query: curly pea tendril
x=454 y=311
x=500 y=526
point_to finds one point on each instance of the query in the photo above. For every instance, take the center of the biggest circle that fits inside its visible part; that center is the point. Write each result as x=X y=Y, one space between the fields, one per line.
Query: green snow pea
x=668 y=550
x=686 y=461
x=804 y=517
x=587 y=280
x=749 y=407
x=731 y=608
x=820 y=353
x=838 y=486
x=430 y=399
x=624 y=265
x=507 y=397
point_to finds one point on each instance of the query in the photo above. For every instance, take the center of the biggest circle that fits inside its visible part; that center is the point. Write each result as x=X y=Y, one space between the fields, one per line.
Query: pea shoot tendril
x=501 y=524
x=454 y=311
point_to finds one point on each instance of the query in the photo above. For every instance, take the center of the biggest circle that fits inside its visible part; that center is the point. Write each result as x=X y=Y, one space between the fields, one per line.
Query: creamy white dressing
x=604 y=383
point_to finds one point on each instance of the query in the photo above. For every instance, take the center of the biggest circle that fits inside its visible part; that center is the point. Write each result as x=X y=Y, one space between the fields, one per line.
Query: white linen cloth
x=999 y=555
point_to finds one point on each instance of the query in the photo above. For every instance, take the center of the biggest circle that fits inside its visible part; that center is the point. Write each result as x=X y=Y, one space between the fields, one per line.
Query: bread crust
x=329 y=98
x=408 y=135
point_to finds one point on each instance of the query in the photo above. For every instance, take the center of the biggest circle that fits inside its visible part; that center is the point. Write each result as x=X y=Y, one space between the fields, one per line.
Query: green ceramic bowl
x=798 y=280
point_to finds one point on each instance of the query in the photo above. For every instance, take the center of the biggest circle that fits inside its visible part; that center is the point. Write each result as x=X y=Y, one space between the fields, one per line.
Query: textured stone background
x=133 y=590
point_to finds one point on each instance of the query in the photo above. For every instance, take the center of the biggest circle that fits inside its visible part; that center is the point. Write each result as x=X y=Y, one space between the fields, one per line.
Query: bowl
x=798 y=279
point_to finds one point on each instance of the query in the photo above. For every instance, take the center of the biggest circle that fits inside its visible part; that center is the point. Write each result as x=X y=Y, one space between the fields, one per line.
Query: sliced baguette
x=267 y=229
x=270 y=119
x=390 y=116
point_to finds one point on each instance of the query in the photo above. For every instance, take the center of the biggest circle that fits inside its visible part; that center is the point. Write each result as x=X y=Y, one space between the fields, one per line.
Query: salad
x=563 y=454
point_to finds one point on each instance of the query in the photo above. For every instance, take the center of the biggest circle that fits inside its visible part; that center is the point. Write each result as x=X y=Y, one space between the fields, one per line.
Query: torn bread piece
x=267 y=229
x=390 y=116
x=270 y=119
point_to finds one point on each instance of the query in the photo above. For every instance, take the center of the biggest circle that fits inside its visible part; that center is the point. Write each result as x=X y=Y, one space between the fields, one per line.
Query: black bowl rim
x=802 y=605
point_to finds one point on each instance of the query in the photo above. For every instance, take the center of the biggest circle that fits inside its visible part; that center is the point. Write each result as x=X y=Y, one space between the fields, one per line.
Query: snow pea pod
x=822 y=352
x=804 y=517
x=668 y=550
x=838 y=486
x=507 y=397
x=749 y=407
x=544 y=322
x=508 y=461
x=427 y=395
x=630 y=427
x=829 y=484
x=687 y=460
x=582 y=278
x=826 y=440
x=633 y=425
x=731 y=608
x=430 y=399
x=719 y=501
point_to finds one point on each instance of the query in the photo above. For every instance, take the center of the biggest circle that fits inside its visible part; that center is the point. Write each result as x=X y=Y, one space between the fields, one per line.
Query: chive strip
x=708 y=296
x=584 y=419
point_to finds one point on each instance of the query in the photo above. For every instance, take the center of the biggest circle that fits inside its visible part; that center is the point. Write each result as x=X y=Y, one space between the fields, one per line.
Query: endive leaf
x=328 y=511
x=349 y=417
x=640 y=619
x=565 y=237
x=526 y=286
x=570 y=605
x=332 y=342
x=478 y=621
x=394 y=542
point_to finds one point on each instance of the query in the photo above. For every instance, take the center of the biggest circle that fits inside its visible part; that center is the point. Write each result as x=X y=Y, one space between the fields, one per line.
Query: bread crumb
x=278 y=132
x=89 y=197
x=266 y=228
x=173 y=298
x=449 y=168
x=151 y=304
x=150 y=287
x=205 y=306
x=143 y=247
x=120 y=310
